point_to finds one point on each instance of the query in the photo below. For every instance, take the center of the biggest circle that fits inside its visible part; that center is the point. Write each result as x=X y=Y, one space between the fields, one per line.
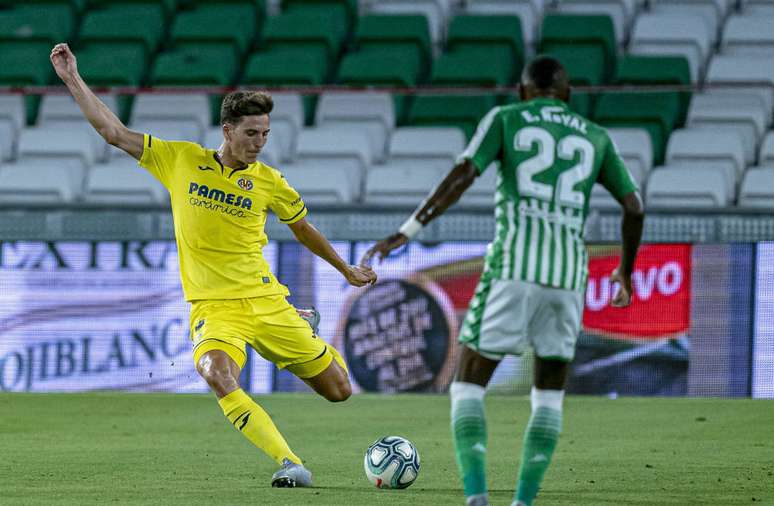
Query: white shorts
x=507 y=315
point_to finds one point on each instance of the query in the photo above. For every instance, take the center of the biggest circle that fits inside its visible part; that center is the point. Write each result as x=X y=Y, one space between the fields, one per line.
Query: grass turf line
x=104 y=448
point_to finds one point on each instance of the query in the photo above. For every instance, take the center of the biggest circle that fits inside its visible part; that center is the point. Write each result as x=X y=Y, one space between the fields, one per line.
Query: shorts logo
x=199 y=324
x=245 y=183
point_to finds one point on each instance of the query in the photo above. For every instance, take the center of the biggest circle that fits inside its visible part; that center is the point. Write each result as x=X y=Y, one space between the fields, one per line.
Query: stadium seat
x=686 y=188
x=316 y=32
x=77 y=148
x=673 y=35
x=346 y=10
x=757 y=189
x=645 y=70
x=482 y=192
x=189 y=64
x=141 y=23
x=63 y=108
x=112 y=64
x=12 y=120
x=635 y=147
x=767 y=149
x=371 y=113
x=349 y=150
x=710 y=149
x=51 y=23
x=168 y=5
x=322 y=181
x=589 y=37
x=621 y=12
x=757 y=7
x=748 y=35
x=397 y=184
x=741 y=114
x=122 y=181
x=179 y=107
x=471 y=68
x=436 y=12
x=530 y=12
x=51 y=185
x=459 y=111
x=195 y=25
x=751 y=69
x=404 y=35
x=499 y=36
x=426 y=148
x=658 y=113
x=26 y=64
x=711 y=12
x=287 y=119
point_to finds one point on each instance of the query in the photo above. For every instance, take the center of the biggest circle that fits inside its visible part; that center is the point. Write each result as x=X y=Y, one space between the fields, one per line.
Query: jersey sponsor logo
x=245 y=183
x=215 y=199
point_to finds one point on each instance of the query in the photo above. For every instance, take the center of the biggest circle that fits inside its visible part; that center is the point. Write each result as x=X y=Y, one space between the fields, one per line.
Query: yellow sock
x=256 y=425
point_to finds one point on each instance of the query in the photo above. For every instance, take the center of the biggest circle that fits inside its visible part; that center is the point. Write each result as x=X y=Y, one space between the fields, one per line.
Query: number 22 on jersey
x=548 y=150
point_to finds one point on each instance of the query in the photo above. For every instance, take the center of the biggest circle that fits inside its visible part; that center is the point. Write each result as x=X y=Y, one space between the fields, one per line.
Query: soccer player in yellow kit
x=219 y=203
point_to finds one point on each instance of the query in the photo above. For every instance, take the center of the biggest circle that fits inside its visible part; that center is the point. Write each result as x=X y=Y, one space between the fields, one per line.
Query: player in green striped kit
x=534 y=279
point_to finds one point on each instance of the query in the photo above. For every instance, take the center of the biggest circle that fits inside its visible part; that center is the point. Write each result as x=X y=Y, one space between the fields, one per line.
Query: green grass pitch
x=162 y=449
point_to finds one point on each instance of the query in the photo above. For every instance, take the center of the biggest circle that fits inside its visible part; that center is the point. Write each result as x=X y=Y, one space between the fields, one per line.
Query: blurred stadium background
x=374 y=100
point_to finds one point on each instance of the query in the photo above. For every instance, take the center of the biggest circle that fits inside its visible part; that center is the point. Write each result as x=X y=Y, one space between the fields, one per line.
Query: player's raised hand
x=383 y=248
x=358 y=275
x=64 y=62
x=624 y=295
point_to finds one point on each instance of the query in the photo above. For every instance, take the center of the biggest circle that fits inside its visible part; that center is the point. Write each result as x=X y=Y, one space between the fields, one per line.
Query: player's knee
x=220 y=380
x=340 y=392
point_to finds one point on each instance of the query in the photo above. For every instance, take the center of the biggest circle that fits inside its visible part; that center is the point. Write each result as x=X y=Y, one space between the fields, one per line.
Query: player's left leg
x=553 y=330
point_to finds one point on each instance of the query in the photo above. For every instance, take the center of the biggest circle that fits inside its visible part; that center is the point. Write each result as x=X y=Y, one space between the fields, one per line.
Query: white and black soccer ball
x=391 y=462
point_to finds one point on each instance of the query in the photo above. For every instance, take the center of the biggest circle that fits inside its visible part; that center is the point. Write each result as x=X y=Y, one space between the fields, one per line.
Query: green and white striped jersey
x=549 y=158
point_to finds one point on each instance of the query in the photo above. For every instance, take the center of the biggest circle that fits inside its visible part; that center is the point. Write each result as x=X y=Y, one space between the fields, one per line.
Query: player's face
x=247 y=138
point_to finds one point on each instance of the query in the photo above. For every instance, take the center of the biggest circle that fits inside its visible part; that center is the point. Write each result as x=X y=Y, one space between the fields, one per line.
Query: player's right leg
x=219 y=355
x=468 y=422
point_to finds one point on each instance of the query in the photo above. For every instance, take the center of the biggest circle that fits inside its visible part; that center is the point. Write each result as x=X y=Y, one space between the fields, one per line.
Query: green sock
x=469 y=432
x=540 y=440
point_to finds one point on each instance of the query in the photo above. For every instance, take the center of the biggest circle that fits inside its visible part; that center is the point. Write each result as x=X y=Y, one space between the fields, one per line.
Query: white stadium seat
x=757 y=188
x=122 y=181
x=482 y=192
x=687 y=187
x=38 y=182
x=529 y=11
x=749 y=35
x=423 y=148
x=65 y=147
x=287 y=120
x=397 y=184
x=63 y=108
x=710 y=149
x=12 y=119
x=673 y=34
x=767 y=149
x=636 y=148
x=176 y=107
x=712 y=13
x=752 y=69
x=322 y=182
x=740 y=114
x=372 y=113
x=757 y=7
x=348 y=150
x=621 y=12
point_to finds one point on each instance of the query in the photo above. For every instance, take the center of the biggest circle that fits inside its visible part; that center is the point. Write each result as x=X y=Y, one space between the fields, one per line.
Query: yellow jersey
x=219 y=215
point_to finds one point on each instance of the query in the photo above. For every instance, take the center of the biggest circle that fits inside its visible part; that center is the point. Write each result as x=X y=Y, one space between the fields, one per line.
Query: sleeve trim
x=283 y=220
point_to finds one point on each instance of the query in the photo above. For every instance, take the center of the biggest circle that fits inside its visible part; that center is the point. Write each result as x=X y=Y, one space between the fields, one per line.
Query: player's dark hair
x=244 y=103
x=545 y=73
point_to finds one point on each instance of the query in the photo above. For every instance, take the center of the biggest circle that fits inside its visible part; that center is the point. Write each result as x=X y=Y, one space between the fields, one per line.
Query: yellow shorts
x=269 y=324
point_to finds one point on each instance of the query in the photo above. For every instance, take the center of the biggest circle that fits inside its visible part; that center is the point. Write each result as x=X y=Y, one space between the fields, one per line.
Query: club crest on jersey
x=245 y=183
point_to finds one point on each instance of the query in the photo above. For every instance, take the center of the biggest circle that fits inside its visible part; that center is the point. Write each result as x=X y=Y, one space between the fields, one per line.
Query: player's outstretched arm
x=444 y=195
x=631 y=234
x=308 y=235
x=99 y=115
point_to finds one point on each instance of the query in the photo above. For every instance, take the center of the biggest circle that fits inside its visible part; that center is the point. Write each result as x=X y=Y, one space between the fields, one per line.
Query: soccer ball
x=391 y=462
